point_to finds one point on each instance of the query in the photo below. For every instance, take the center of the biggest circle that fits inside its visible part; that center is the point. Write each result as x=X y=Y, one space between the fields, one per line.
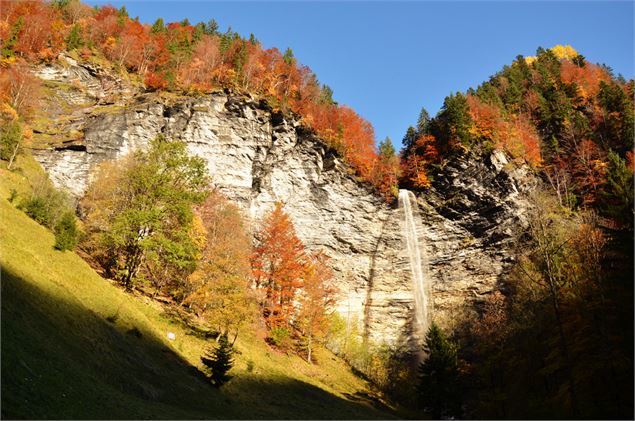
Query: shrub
x=66 y=232
x=280 y=336
x=38 y=210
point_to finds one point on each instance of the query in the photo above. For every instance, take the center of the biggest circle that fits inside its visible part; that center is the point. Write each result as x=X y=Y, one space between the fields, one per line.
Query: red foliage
x=589 y=169
x=200 y=66
x=423 y=153
x=278 y=266
x=587 y=78
x=19 y=88
x=155 y=81
x=517 y=135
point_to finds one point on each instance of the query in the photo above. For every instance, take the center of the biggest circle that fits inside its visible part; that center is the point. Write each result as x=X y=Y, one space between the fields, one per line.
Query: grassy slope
x=63 y=358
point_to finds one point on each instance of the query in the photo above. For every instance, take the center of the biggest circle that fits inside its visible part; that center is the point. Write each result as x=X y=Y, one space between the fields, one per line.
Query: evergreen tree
x=158 y=26
x=438 y=388
x=219 y=361
x=74 y=39
x=455 y=120
x=386 y=149
x=288 y=56
x=618 y=193
x=66 y=233
x=423 y=123
x=212 y=27
x=326 y=95
x=409 y=138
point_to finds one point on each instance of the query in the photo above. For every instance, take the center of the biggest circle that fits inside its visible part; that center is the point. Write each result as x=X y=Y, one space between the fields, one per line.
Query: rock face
x=257 y=157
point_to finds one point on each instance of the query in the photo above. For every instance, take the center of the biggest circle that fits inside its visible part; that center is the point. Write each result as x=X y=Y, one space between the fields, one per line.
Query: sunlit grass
x=74 y=345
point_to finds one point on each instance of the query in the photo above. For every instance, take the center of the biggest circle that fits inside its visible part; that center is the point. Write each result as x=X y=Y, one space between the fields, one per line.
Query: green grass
x=76 y=346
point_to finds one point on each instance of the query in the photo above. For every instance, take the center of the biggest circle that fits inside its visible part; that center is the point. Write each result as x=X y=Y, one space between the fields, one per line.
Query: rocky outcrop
x=257 y=157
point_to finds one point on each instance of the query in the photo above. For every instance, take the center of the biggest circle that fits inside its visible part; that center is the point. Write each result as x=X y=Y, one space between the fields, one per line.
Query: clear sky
x=388 y=59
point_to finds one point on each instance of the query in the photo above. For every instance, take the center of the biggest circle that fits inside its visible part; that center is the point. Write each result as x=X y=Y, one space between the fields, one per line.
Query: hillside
x=205 y=188
x=76 y=346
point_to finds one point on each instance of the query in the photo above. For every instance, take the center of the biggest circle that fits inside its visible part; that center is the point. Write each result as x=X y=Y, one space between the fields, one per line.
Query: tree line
x=192 y=59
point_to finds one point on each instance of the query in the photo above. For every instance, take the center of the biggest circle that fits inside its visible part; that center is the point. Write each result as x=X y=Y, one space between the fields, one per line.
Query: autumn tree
x=548 y=264
x=19 y=88
x=316 y=299
x=218 y=290
x=278 y=266
x=139 y=213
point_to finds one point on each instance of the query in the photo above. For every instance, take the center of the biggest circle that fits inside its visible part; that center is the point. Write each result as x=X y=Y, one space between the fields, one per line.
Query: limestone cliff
x=257 y=157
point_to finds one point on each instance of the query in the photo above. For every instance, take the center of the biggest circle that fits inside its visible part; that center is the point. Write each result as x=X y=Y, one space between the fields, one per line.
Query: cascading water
x=409 y=229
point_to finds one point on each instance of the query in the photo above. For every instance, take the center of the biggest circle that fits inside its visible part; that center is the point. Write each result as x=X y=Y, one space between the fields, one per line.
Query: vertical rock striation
x=257 y=157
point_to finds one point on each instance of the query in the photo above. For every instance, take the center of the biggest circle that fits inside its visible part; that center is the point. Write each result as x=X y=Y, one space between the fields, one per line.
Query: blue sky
x=388 y=59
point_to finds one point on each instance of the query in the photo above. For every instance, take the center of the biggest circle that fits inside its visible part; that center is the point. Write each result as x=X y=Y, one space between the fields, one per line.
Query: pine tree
x=438 y=388
x=423 y=123
x=409 y=138
x=219 y=361
x=158 y=26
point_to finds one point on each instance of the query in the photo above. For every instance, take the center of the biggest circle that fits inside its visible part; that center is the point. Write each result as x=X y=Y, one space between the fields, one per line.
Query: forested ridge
x=557 y=340
x=191 y=59
x=554 y=340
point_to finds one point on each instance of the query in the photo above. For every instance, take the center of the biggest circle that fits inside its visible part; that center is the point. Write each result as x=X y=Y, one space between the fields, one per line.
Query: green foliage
x=219 y=361
x=423 y=122
x=55 y=305
x=439 y=387
x=280 y=336
x=409 y=138
x=46 y=204
x=617 y=129
x=326 y=95
x=66 y=232
x=74 y=39
x=10 y=141
x=288 y=56
x=386 y=149
x=454 y=120
x=13 y=194
x=147 y=221
x=618 y=193
x=158 y=26
x=211 y=28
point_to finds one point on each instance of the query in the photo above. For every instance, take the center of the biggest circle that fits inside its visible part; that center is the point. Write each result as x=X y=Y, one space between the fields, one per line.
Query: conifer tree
x=219 y=361
x=438 y=388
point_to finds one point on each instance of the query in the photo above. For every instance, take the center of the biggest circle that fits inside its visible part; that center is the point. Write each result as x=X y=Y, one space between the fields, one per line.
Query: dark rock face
x=256 y=157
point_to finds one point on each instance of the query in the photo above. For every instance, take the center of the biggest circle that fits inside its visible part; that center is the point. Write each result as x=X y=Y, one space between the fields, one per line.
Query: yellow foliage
x=564 y=52
x=530 y=59
x=198 y=232
x=7 y=112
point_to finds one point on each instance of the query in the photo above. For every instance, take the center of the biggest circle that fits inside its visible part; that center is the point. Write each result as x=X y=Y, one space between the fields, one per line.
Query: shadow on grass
x=61 y=360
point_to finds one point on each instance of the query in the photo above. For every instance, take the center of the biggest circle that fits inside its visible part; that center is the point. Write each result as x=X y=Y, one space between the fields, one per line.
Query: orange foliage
x=587 y=78
x=589 y=169
x=197 y=65
x=517 y=135
x=278 y=265
x=423 y=154
x=42 y=32
x=19 y=88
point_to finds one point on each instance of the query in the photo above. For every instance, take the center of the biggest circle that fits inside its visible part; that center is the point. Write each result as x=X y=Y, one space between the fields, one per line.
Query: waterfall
x=409 y=229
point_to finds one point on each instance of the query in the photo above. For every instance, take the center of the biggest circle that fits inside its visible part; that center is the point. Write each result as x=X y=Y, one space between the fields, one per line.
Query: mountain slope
x=74 y=346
